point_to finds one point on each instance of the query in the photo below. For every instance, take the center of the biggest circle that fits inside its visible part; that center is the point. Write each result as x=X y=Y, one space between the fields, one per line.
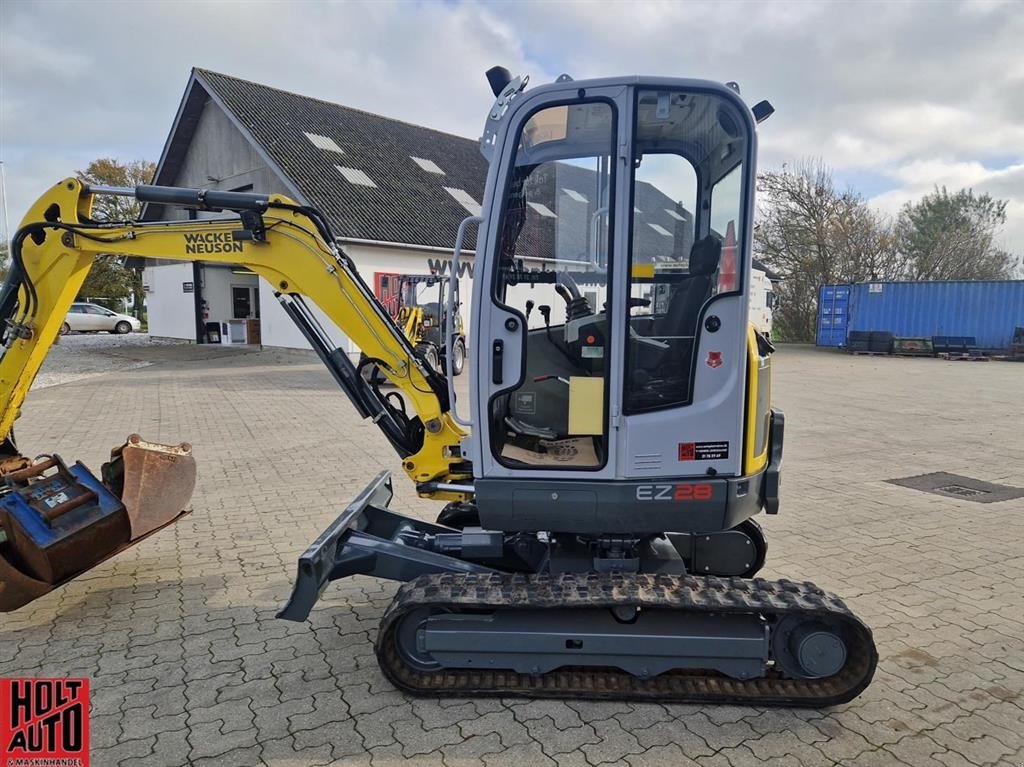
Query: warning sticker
x=703 y=451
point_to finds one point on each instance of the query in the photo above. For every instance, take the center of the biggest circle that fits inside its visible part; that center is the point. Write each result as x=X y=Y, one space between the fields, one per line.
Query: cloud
x=84 y=80
x=919 y=177
x=873 y=89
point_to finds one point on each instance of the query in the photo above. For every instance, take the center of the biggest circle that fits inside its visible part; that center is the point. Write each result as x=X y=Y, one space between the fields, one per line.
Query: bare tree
x=813 y=234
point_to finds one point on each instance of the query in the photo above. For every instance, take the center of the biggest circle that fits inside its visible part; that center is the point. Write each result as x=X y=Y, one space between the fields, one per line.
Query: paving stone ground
x=189 y=665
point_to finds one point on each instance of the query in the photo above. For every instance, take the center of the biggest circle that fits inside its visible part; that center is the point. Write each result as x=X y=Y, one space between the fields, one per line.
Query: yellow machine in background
x=422 y=315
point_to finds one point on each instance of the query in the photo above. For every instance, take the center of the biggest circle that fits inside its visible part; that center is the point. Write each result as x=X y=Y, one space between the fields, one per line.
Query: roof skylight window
x=574 y=194
x=324 y=142
x=355 y=176
x=428 y=165
x=660 y=229
x=464 y=199
x=544 y=210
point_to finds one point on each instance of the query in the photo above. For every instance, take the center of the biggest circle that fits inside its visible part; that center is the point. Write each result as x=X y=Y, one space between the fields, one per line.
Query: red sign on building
x=386 y=287
x=727 y=273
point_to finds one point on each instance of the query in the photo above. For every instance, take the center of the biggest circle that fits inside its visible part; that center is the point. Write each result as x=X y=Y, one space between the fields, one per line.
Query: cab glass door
x=688 y=174
x=552 y=282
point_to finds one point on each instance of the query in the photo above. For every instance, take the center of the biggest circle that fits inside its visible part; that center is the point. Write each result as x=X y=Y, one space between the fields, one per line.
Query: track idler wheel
x=809 y=648
x=407 y=641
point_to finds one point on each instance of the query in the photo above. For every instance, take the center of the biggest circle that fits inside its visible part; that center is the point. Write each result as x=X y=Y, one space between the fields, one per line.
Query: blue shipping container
x=833 y=314
x=988 y=311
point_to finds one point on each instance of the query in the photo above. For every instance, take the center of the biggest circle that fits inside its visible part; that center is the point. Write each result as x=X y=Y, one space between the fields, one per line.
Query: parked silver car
x=92 y=318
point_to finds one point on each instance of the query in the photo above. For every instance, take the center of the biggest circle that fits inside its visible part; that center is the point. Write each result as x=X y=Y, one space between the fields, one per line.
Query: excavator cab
x=612 y=303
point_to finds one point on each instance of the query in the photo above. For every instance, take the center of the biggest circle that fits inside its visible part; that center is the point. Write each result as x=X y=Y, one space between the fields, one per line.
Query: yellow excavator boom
x=278 y=239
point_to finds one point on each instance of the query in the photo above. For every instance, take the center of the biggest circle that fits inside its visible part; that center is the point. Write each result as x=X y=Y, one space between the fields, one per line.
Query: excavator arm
x=287 y=244
x=56 y=520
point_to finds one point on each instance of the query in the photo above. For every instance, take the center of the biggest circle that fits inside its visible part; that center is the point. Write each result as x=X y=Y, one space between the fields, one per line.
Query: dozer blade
x=154 y=481
x=59 y=521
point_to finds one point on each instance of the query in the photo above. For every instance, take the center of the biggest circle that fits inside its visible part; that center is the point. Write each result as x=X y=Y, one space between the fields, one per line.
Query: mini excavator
x=597 y=538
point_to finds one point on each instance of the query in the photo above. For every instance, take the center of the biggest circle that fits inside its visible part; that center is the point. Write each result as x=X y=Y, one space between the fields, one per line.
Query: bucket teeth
x=154 y=481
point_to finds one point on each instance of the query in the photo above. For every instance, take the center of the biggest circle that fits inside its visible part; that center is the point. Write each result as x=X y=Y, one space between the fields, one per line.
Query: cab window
x=554 y=257
x=725 y=216
x=687 y=188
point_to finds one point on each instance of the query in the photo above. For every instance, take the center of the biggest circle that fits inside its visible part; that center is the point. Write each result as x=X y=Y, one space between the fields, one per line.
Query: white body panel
x=762 y=301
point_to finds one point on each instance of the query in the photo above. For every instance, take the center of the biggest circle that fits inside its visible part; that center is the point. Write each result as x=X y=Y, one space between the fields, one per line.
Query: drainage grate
x=964 y=488
x=960 y=490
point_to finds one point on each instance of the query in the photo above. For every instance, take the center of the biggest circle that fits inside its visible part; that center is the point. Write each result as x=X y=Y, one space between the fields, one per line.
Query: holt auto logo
x=44 y=722
x=714 y=360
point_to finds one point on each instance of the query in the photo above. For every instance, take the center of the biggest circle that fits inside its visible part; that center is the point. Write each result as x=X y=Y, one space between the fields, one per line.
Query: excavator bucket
x=58 y=521
x=154 y=481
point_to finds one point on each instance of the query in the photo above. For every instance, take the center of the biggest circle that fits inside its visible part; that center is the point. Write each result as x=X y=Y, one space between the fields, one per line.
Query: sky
x=895 y=97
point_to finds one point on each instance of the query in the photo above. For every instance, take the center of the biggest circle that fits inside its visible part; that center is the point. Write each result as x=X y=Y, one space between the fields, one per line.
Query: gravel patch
x=82 y=355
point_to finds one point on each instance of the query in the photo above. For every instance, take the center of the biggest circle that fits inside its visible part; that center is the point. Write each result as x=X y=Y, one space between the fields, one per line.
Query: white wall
x=171 y=311
x=278 y=330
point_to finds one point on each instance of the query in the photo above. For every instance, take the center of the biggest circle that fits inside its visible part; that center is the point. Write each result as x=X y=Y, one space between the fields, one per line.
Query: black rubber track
x=769 y=599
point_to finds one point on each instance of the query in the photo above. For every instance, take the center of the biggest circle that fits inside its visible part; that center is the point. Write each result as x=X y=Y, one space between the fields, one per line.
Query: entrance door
x=545 y=340
x=244 y=302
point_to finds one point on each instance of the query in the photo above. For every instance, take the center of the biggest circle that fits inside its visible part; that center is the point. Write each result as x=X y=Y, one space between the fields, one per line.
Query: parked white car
x=92 y=318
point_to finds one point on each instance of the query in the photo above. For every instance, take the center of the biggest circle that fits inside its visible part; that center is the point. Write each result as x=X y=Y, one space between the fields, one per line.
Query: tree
x=952 y=237
x=3 y=259
x=110 y=277
x=812 y=235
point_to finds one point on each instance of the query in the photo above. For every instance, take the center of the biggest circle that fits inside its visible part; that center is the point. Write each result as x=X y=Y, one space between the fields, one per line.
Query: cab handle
x=497 y=361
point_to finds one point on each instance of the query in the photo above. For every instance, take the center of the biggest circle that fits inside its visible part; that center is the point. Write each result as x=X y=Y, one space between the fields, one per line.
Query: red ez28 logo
x=44 y=722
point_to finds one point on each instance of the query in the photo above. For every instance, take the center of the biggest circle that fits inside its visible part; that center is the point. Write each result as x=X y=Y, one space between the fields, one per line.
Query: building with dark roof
x=377 y=180
x=394 y=194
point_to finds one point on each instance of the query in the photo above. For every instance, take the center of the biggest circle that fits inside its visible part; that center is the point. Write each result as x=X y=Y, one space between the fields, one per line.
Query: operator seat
x=665 y=374
x=689 y=296
x=431 y=309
